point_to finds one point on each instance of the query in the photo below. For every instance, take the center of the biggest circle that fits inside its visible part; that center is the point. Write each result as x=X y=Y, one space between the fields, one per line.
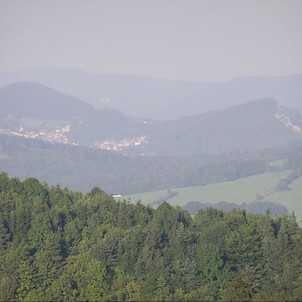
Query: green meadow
x=261 y=186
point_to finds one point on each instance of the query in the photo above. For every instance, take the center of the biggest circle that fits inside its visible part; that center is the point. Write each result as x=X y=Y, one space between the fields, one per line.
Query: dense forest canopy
x=56 y=244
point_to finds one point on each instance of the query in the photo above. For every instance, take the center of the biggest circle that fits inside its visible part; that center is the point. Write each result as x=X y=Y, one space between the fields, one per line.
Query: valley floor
x=243 y=190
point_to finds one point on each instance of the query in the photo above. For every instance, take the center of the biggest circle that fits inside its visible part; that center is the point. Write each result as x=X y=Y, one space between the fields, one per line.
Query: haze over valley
x=151 y=150
x=52 y=136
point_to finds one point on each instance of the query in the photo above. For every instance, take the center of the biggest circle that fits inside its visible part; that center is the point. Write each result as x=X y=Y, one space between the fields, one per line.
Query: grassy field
x=242 y=190
x=238 y=191
x=291 y=199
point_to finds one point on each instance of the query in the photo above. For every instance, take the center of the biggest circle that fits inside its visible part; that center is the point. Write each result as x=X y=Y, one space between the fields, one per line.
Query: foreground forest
x=56 y=244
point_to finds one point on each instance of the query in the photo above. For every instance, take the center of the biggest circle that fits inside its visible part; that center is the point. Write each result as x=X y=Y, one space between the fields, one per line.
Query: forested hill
x=56 y=244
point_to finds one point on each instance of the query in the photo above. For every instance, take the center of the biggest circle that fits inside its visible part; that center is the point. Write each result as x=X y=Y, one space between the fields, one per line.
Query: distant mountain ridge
x=36 y=111
x=29 y=99
x=254 y=125
x=162 y=99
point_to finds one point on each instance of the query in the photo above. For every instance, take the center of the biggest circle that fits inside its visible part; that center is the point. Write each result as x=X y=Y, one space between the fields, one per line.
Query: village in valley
x=60 y=136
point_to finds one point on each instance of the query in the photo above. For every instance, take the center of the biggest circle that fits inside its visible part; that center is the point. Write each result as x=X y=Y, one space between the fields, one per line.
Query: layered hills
x=33 y=100
x=159 y=98
x=63 y=140
x=251 y=126
x=36 y=111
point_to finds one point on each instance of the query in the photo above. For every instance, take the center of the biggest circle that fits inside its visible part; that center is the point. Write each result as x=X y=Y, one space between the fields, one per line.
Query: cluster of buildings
x=56 y=136
x=112 y=145
x=59 y=136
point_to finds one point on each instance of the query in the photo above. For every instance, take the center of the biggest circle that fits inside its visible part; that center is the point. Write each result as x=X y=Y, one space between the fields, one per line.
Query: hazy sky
x=173 y=39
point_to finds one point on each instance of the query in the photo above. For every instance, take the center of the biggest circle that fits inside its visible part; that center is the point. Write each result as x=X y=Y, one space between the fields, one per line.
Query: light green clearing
x=278 y=163
x=291 y=199
x=238 y=191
